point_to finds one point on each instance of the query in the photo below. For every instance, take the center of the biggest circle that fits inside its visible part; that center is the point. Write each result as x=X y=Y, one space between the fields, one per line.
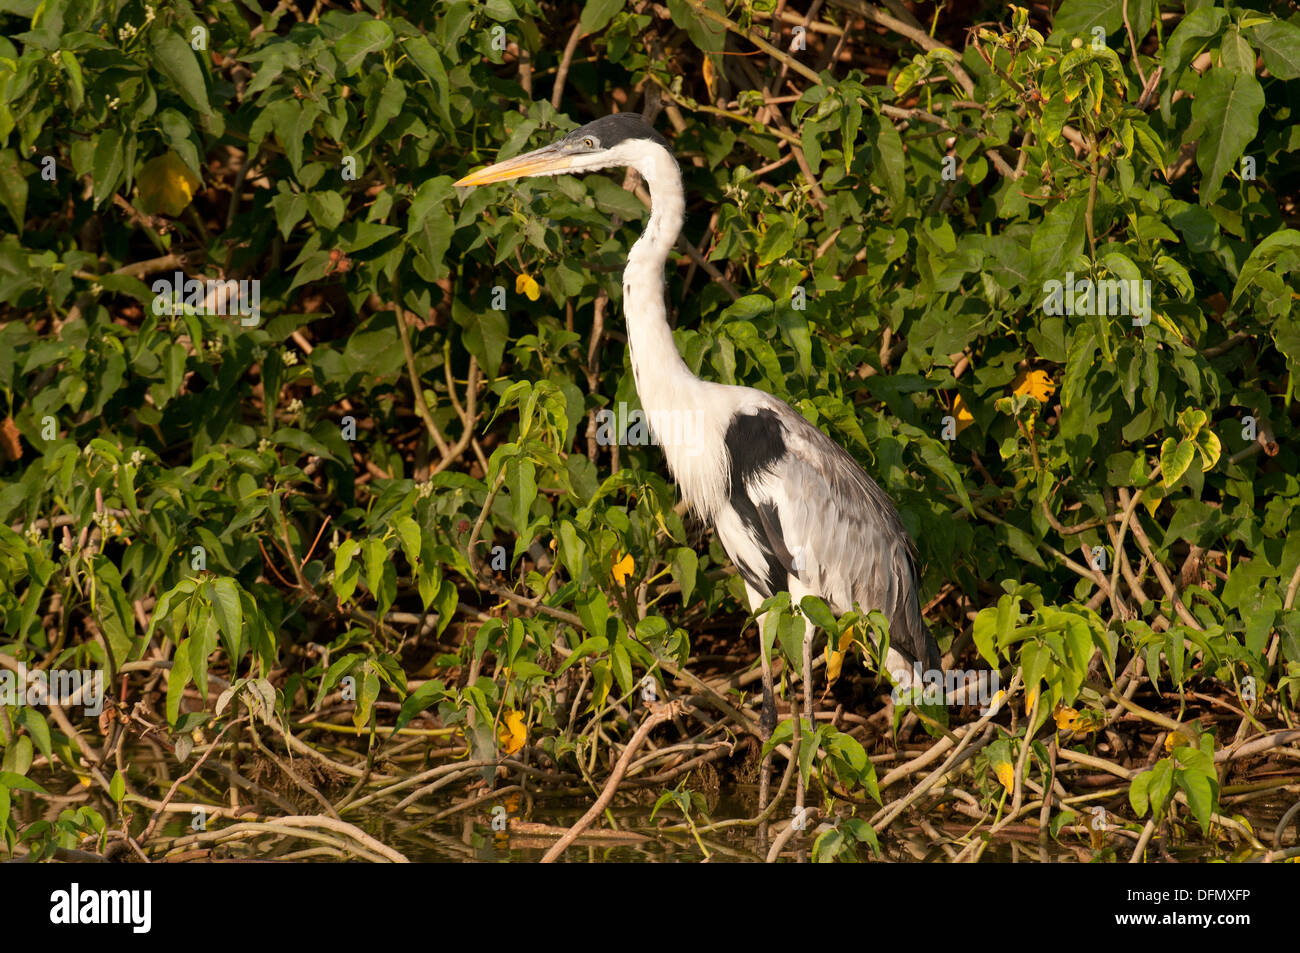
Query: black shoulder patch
x=754 y=442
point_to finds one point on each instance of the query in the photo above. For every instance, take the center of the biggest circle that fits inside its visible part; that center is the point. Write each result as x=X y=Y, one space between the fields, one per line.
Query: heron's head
x=623 y=139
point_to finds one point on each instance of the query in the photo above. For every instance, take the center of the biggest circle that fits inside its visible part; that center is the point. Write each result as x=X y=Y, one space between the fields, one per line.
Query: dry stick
x=1018 y=790
x=1163 y=576
x=1291 y=589
x=171 y=792
x=468 y=415
x=1132 y=42
x=300 y=827
x=593 y=361
x=659 y=713
x=1141 y=845
x=1045 y=813
x=913 y=33
x=417 y=391
x=1258 y=745
x=557 y=93
x=886 y=815
x=762 y=44
x=783 y=838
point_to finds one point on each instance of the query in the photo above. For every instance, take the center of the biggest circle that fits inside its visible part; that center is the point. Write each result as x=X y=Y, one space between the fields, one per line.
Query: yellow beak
x=543 y=161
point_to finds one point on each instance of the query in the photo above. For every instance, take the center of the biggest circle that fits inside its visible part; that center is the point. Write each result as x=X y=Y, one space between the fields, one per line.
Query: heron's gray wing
x=838 y=532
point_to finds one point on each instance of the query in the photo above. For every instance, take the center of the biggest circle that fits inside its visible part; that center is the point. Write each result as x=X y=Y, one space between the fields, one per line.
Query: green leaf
x=893 y=161
x=409 y=532
x=376 y=556
x=1138 y=790
x=176 y=60
x=819 y=614
x=107 y=164
x=1227 y=105
x=426 y=58
x=355 y=45
x=1283 y=245
x=686 y=564
x=178 y=678
x=1175 y=457
x=776 y=241
x=17 y=782
x=596 y=14
x=13 y=187
x=367 y=693
x=227 y=610
x=1279 y=42
x=1078 y=17
x=385 y=106
x=429 y=693
x=345 y=571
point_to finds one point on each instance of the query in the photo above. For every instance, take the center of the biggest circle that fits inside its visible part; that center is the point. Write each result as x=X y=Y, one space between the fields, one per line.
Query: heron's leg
x=766 y=725
x=807 y=708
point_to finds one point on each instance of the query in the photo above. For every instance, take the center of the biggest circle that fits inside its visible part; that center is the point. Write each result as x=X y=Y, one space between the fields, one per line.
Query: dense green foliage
x=270 y=503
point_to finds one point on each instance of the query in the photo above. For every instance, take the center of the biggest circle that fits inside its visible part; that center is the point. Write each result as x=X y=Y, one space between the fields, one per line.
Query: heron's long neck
x=660 y=372
x=684 y=411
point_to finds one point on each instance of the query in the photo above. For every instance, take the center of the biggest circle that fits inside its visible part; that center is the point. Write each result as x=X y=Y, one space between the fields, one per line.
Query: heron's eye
x=589 y=142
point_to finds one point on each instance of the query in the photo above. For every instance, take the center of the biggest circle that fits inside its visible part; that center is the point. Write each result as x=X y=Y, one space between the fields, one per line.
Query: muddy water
x=475 y=835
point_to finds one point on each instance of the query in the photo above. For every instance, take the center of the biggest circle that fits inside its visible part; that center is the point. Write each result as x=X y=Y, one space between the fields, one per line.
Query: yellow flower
x=166 y=185
x=526 y=284
x=513 y=732
x=1034 y=383
x=624 y=568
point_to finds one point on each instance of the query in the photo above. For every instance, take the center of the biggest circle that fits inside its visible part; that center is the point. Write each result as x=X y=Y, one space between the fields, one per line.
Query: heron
x=792 y=508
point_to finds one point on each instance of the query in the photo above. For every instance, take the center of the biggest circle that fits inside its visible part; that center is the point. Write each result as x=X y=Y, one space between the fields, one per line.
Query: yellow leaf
x=513 y=733
x=1066 y=719
x=962 y=415
x=1030 y=695
x=1152 y=497
x=1034 y=383
x=708 y=75
x=1006 y=774
x=166 y=185
x=835 y=657
x=1182 y=738
x=623 y=568
x=10 y=448
x=526 y=284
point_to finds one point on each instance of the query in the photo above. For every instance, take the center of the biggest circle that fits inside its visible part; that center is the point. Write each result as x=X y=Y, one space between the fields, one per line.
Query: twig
x=659 y=713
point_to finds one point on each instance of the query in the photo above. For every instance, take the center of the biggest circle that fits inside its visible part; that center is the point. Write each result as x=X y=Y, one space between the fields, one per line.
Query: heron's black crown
x=609 y=131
